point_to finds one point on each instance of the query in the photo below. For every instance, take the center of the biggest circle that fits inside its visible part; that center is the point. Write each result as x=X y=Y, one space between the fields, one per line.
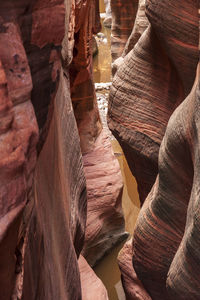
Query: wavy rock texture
x=42 y=226
x=165 y=242
x=105 y=222
x=123 y=18
x=132 y=285
x=154 y=79
x=42 y=232
x=100 y=166
x=141 y=23
x=92 y=287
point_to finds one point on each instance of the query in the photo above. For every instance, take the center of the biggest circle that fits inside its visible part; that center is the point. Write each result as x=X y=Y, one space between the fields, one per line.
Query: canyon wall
x=43 y=187
x=43 y=213
x=155 y=115
x=123 y=18
x=155 y=77
x=103 y=176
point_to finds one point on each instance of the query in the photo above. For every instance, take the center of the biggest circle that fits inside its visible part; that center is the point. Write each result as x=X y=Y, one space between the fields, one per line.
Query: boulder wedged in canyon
x=155 y=77
x=133 y=287
x=91 y=286
x=166 y=254
x=105 y=221
x=104 y=184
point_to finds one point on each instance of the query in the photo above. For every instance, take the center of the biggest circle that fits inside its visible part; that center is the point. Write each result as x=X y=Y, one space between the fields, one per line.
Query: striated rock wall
x=42 y=227
x=140 y=24
x=123 y=18
x=105 y=222
x=165 y=246
x=133 y=287
x=153 y=80
x=18 y=139
x=165 y=242
x=57 y=221
x=103 y=177
x=43 y=203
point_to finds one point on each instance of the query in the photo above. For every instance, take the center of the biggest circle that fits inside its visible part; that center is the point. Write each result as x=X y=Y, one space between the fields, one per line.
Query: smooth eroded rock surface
x=105 y=221
x=132 y=285
x=165 y=241
x=123 y=18
x=92 y=287
x=57 y=220
x=153 y=80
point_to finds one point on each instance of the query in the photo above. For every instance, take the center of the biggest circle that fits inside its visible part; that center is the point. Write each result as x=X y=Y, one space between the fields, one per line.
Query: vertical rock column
x=105 y=222
x=18 y=139
x=56 y=221
x=123 y=18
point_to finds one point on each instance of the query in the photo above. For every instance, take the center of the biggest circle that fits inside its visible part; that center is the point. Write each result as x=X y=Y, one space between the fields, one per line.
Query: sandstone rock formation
x=104 y=183
x=165 y=242
x=140 y=24
x=92 y=287
x=132 y=285
x=43 y=205
x=153 y=80
x=42 y=231
x=18 y=135
x=105 y=222
x=123 y=18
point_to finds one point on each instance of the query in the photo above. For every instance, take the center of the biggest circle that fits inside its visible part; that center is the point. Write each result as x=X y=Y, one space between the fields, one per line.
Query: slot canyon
x=99 y=150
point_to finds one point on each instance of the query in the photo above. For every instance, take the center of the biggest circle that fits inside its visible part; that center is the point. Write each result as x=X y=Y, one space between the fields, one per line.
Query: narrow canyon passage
x=107 y=269
x=99 y=150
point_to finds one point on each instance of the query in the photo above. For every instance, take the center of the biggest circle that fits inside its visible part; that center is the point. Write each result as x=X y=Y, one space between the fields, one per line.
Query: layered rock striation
x=163 y=260
x=103 y=177
x=123 y=18
x=43 y=204
x=153 y=80
x=165 y=241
